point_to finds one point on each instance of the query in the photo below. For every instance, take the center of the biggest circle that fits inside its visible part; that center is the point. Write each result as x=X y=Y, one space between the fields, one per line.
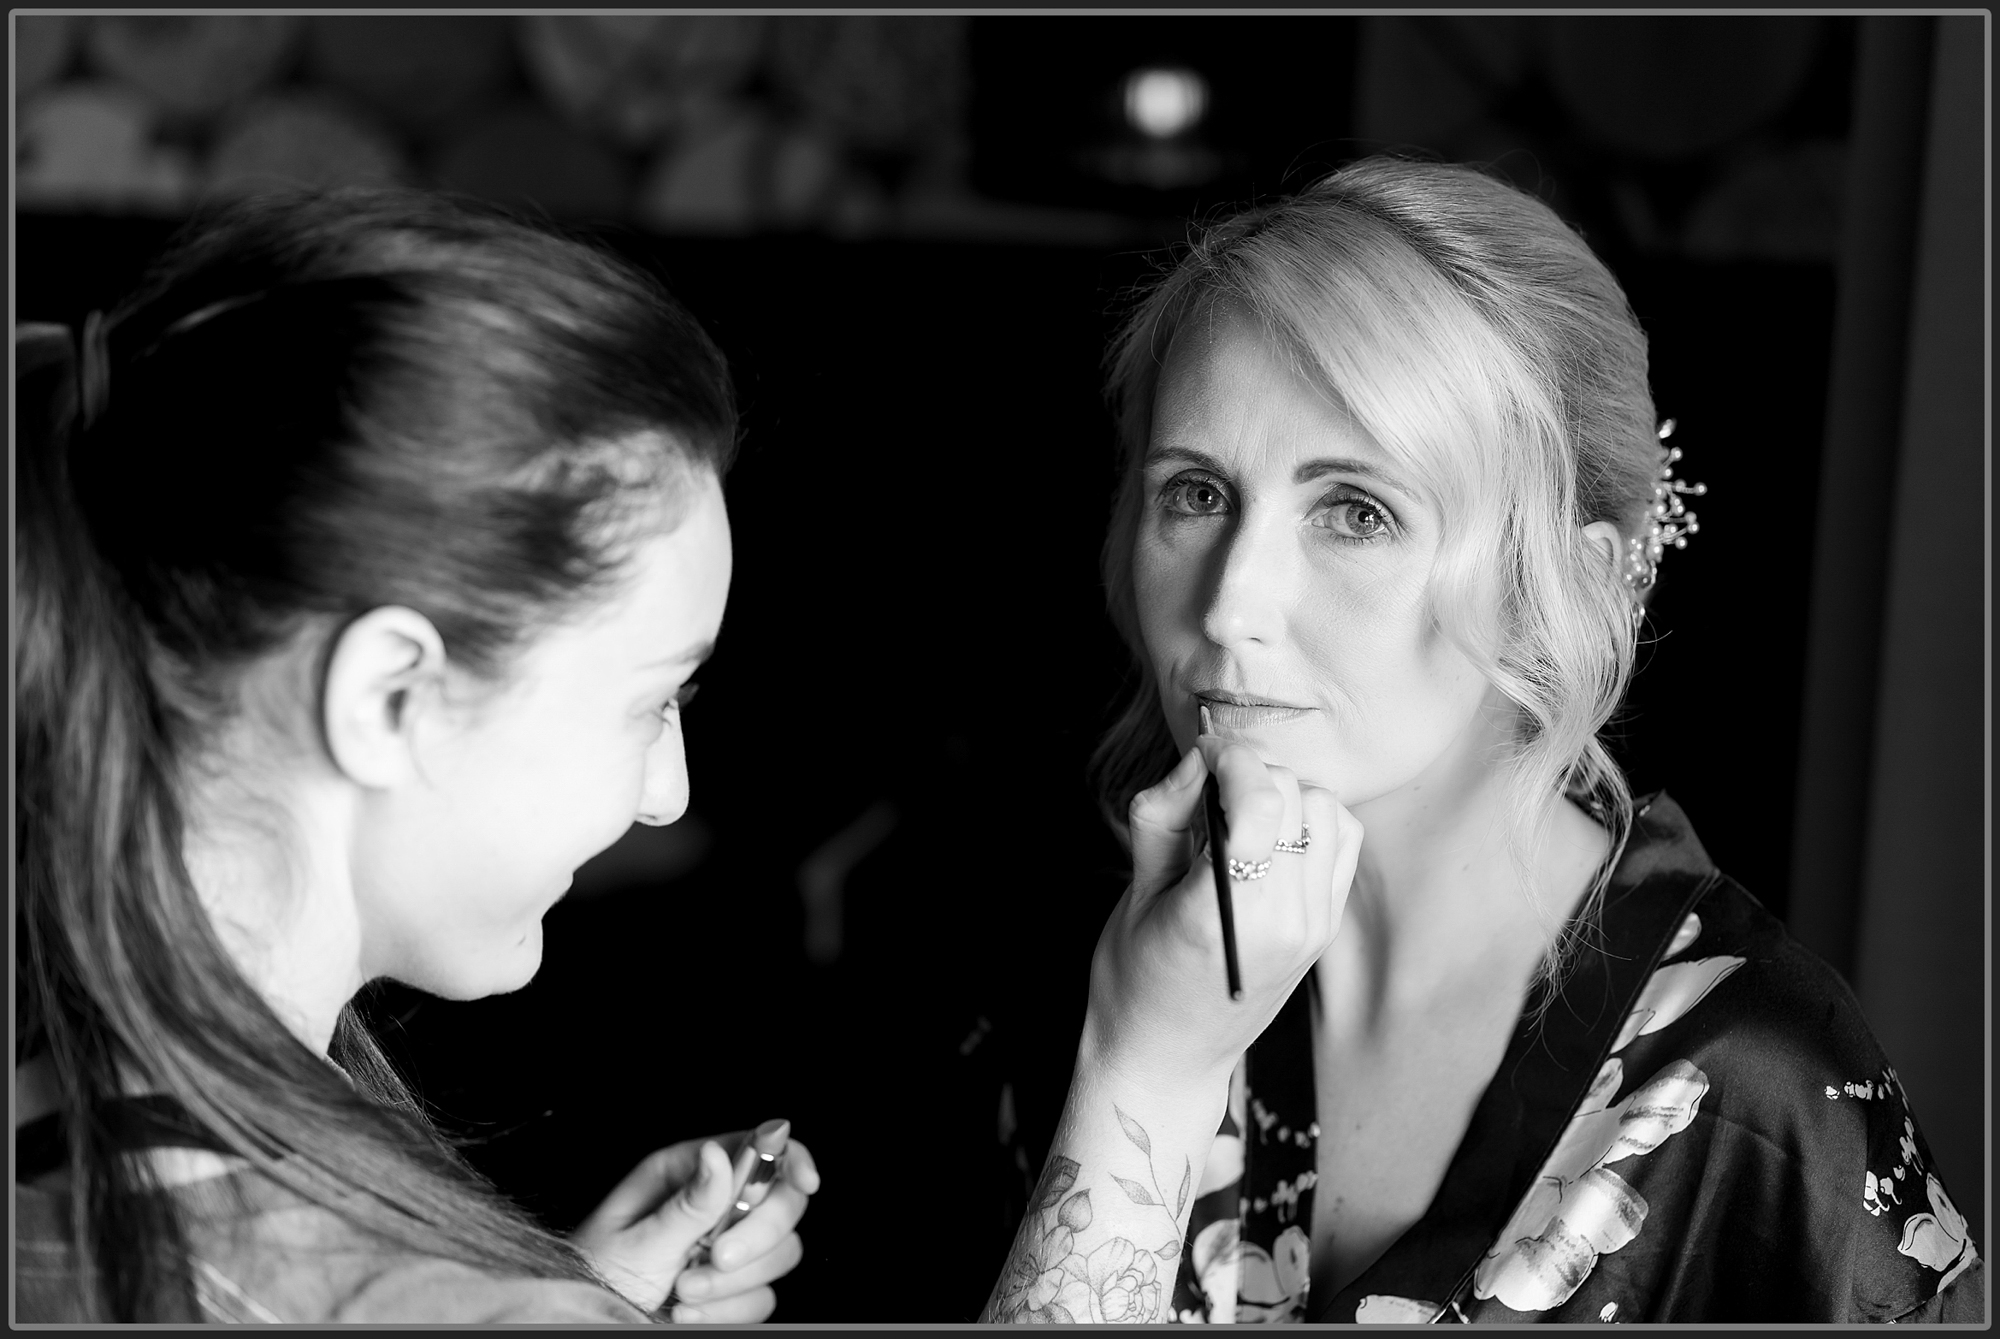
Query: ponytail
x=93 y=814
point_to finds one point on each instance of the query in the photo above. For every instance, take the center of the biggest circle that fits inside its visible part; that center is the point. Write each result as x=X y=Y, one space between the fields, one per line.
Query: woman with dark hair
x=363 y=559
x=1393 y=498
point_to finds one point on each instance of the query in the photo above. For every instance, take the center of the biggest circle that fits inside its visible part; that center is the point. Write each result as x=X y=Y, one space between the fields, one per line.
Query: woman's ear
x=383 y=665
x=1605 y=536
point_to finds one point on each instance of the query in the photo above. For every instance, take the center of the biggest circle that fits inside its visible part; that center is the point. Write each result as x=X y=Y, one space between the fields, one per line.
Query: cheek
x=1374 y=641
x=534 y=812
x=1163 y=586
x=1359 y=631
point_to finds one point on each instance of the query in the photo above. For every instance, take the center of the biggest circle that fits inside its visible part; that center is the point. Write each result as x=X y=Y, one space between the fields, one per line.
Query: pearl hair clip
x=1668 y=521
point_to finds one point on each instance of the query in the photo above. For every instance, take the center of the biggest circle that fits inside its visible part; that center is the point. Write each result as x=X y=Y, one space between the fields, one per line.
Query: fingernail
x=690 y=1285
x=688 y=1315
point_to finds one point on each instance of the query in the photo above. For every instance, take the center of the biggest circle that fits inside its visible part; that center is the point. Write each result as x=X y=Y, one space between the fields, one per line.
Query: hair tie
x=203 y=315
x=94 y=361
x=93 y=369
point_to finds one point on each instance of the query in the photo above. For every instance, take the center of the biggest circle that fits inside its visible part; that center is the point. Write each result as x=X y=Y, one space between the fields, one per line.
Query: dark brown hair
x=315 y=406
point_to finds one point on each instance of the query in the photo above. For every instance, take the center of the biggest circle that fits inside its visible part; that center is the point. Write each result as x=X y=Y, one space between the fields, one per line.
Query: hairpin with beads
x=1668 y=521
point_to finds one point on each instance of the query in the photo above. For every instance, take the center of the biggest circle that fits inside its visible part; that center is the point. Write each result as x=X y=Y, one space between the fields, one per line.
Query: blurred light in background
x=1163 y=103
x=1660 y=135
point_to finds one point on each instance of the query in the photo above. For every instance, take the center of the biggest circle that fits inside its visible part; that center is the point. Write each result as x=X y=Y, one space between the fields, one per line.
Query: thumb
x=642 y=1258
x=1159 y=821
x=698 y=1206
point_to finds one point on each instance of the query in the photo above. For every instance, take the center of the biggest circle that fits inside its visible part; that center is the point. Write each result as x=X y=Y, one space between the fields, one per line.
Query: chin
x=500 y=969
x=524 y=960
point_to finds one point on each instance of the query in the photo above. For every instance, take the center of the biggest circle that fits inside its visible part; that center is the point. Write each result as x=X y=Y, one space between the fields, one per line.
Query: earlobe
x=379 y=670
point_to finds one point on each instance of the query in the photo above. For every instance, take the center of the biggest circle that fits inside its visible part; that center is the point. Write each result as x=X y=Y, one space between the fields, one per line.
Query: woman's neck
x=1456 y=890
x=279 y=891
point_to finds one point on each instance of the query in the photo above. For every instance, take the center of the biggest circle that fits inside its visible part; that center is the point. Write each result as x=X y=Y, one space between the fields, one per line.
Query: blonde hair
x=1475 y=336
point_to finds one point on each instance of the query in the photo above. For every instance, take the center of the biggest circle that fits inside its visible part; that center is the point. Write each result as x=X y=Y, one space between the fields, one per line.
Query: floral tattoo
x=1050 y=1281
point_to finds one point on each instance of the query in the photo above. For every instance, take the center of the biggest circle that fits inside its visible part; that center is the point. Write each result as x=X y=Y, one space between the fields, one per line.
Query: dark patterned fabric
x=257 y=1252
x=1700 y=1128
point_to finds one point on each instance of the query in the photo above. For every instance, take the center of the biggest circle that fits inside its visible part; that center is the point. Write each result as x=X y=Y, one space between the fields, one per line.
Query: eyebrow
x=1304 y=474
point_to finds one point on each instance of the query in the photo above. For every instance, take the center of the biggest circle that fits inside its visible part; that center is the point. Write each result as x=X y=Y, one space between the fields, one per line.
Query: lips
x=1240 y=711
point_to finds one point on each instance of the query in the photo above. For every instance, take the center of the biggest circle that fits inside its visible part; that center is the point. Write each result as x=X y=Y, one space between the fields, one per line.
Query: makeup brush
x=1218 y=859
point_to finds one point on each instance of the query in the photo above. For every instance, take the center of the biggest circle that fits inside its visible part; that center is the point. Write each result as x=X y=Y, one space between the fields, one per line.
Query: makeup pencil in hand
x=1218 y=859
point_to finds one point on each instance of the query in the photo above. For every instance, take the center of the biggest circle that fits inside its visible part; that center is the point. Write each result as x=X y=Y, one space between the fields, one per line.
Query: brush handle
x=1218 y=859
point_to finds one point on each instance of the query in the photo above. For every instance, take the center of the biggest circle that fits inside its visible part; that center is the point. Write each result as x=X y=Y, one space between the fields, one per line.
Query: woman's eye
x=1357 y=518
x=1196 y=495
x=682 y=696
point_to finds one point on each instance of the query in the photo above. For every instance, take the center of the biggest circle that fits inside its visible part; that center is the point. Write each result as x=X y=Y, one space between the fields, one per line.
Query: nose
x=663 y=794
x=1251 y=578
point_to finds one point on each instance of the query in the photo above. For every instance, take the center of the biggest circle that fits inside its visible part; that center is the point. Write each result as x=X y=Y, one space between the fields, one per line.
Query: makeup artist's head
x=358 y=615
x=1383 y=445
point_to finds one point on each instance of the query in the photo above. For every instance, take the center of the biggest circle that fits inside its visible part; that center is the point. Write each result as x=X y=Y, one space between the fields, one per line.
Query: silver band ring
x=1247 y=871
x=1298 y=847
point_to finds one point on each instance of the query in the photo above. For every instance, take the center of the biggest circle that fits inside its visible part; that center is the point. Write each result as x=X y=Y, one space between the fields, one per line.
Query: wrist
x=1154 y=1077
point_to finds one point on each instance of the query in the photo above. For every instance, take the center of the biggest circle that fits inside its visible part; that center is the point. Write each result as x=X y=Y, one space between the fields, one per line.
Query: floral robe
x=1701 y=1128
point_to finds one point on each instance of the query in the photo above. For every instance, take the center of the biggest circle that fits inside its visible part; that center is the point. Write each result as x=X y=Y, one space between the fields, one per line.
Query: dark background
x=878 y=916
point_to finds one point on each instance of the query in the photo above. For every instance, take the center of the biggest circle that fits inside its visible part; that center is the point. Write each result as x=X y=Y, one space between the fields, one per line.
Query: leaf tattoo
x=1134 y=1131
x=1135 y=1192
x=1057 y=1178
x=1051 y=1277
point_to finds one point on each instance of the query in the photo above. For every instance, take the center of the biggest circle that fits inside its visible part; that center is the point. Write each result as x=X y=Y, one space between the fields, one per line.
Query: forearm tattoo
x=1061 y=1273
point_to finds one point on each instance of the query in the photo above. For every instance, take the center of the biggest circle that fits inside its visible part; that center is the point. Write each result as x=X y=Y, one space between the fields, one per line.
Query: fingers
x=1345 y=861
x=1325 y=885
x=671 y=1231
x=706 y=1284
x=1253 y=797
x=648 y=1184
x=1289 y=821
x=757 y=1251
x=744 y=1309
x=800 y=1169
x=704 y=1199
x=1159 y=820
x=641 y=1256
x=761 y=1229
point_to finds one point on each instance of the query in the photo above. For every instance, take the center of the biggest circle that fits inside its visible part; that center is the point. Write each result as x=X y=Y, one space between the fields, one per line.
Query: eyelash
x=682 y=696
x=1344 y=495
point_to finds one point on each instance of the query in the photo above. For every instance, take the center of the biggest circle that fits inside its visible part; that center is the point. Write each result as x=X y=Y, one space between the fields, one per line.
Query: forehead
x=1231 y=387
x=669 y=594
x=679 y=575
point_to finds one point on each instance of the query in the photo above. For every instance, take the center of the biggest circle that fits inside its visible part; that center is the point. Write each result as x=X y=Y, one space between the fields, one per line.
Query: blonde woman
x=1509 y=1047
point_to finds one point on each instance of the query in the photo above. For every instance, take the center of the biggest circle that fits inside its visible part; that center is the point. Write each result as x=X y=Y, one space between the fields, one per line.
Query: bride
x=1509 y=1046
